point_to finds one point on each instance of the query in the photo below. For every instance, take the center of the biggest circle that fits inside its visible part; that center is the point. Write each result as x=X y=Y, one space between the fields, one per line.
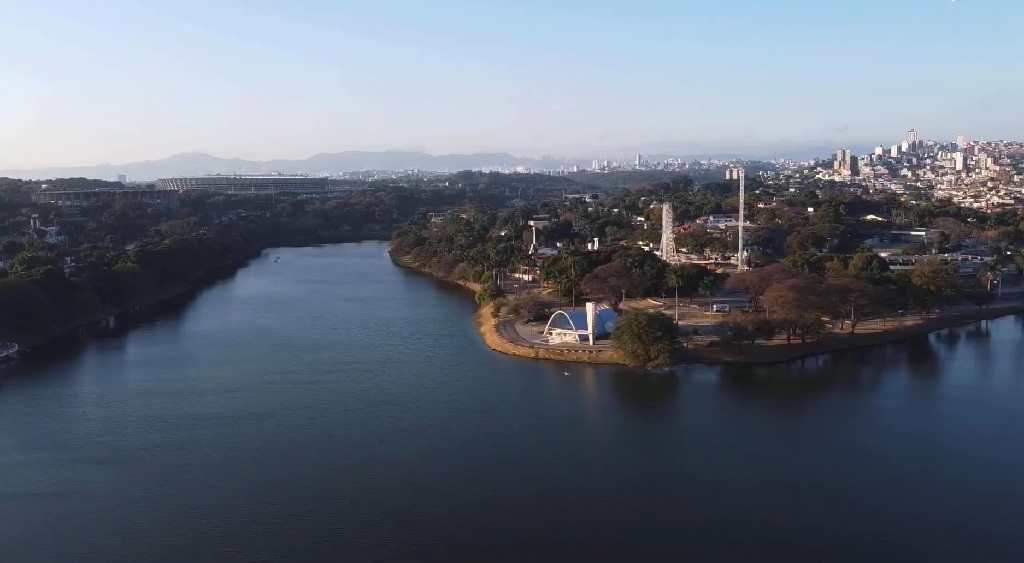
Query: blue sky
x=124 y=80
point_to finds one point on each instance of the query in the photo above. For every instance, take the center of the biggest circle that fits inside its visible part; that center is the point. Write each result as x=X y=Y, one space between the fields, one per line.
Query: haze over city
x=120 y=82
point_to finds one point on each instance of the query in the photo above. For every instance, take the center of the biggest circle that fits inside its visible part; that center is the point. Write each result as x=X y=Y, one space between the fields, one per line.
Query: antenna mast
x=740 y=266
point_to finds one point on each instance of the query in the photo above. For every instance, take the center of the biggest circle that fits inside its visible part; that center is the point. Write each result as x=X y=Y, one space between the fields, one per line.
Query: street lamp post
x=677 y=304
x=572 y=276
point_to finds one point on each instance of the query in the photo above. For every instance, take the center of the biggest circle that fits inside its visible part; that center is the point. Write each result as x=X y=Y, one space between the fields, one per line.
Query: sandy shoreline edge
x=489 y=331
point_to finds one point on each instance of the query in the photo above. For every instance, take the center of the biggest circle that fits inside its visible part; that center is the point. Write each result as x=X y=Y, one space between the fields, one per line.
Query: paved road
x=508 y=329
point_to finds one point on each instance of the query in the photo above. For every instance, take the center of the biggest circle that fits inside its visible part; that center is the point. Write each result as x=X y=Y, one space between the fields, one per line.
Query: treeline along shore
x=488 y=318
x=811 y=283
x=45 y=298
x=63 y=271
x=815 y=278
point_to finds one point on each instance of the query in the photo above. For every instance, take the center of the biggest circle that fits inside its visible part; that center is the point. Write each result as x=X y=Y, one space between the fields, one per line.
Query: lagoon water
x=332 y=407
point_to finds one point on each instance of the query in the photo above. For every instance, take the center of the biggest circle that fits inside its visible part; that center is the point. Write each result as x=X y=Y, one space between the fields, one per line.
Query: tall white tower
x=668 y=239
x=739 y=256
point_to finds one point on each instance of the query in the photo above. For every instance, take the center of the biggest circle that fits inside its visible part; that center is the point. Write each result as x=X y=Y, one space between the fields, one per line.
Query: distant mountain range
x=192 y=164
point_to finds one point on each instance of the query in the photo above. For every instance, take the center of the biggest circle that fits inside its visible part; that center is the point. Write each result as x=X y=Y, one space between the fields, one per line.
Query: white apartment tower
x=961 y=141
x=912 y=140
x=960 y=160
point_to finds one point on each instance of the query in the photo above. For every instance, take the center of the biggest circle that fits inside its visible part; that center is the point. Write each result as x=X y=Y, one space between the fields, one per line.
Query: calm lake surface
x=332 y=407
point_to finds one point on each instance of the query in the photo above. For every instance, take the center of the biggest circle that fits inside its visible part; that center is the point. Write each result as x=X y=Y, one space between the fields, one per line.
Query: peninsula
x=816 y=272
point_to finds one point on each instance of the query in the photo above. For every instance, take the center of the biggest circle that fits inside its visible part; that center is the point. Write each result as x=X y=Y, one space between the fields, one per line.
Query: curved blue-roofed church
x=576 y=326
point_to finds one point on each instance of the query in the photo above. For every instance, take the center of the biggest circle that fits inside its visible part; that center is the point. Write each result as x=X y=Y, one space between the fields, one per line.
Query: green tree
x=755 y=282
x=11 y=248
x=811 y=263
x=28 y=261
x=179 y=227
x=931 y=279
x=488 y=293
x=796 y=307
x=25 y=310
x=608 y=282
x=648 y=340
x=977 y=296
x=849 y=299
x=914 y=249
x=566 y=271
x=687 y=277
x=464 y=272
x=867 y=264
x=749 y=326
x=646 y=270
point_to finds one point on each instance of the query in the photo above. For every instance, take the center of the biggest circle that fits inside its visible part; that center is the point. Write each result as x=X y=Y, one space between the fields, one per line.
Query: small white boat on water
x=8 y=351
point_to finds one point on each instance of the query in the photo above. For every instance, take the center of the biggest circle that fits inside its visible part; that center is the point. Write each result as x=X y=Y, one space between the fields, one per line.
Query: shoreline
x=162 y=295
x=782 y=353
x=488 y=329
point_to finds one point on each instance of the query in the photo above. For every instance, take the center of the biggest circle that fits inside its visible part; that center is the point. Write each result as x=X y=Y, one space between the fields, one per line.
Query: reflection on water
x=949 y=338
x=922 y=358
x=644 y=390
x=333 y=407
x=807 y=377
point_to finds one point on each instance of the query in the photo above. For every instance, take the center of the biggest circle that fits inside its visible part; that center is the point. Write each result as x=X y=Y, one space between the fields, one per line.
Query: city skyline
x=122 y=83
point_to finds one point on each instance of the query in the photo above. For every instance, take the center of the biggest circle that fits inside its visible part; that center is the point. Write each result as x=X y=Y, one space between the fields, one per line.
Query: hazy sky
x=121 y=80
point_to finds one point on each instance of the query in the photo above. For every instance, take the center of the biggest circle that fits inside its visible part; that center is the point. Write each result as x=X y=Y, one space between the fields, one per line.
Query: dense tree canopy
x=649 y=340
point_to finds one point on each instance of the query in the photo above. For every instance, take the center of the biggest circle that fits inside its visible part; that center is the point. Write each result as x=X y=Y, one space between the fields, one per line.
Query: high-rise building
x=879 y=150
x=905 y=147
x=912 y=140
x=639 y=160
x=894 y=152
x=960 y=162
x=844 y=161
x=122 y=178
x=961 y=141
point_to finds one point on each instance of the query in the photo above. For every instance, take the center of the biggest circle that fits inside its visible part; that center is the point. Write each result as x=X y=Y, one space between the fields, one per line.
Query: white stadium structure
x=247 y=183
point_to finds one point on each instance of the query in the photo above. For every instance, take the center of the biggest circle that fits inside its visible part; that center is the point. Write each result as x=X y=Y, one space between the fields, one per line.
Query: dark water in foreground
x=331 y=407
